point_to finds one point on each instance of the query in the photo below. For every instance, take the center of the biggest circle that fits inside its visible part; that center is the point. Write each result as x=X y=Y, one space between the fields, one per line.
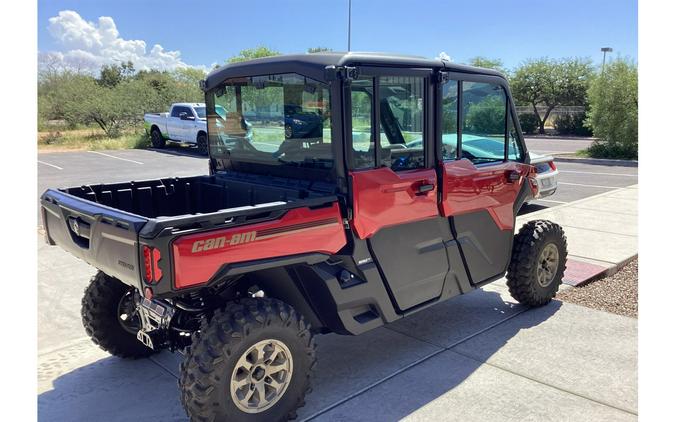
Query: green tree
x=318 y=49
x=480 y=61
x=551 y=83
x=613 y=113
x=253 y=53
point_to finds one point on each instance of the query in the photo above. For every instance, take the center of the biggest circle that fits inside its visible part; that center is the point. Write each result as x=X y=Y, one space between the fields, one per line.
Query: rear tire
x=537 y=263
x=252 y=346
x=202 y=144
x=106 y=300
x=157 y=139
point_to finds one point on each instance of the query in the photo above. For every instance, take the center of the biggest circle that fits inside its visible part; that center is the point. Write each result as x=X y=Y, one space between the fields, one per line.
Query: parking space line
x=590 y=186
x=598 y=174
x=50 y=165
x=550 y=200
x=112 y=156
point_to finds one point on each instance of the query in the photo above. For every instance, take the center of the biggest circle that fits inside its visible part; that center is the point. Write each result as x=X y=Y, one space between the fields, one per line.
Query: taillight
x=552 y=164
x=151 y=258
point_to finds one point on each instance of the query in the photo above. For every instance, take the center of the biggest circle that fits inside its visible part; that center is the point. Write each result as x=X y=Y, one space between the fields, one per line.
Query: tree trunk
x=549 y=109
x=539 y=121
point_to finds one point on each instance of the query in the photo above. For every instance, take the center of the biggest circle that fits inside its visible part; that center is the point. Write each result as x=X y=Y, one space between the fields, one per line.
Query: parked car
x=547 y=174
x=185 y=123
x=301 y=124
x=241 y=268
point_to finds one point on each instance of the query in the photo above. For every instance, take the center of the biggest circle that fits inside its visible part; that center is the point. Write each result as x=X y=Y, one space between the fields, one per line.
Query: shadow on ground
x=113 y=389
x=179 y=149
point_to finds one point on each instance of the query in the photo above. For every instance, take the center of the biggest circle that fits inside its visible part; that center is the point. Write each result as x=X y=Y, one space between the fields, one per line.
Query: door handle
x=425 y=188
x=513 y=176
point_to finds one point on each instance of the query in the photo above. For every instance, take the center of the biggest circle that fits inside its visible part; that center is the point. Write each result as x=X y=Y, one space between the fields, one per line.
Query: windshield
x=281 y=119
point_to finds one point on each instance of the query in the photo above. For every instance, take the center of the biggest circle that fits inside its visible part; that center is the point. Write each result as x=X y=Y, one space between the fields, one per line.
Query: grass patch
x=583 y=153
x=91 y=139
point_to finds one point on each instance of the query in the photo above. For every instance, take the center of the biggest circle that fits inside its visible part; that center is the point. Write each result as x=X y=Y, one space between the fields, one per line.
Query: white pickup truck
x=185 y=122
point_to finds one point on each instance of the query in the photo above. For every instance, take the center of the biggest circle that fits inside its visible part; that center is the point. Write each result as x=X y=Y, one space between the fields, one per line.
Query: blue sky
x=206 y=32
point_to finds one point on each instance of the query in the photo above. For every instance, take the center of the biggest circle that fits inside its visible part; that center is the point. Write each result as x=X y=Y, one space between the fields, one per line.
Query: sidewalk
x=601 y=232
x=477 y=357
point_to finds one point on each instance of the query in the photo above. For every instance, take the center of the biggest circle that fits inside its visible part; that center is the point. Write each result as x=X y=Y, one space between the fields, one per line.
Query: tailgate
x=104 y=237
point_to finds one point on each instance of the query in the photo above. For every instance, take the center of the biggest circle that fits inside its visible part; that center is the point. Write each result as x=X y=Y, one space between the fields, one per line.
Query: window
x=449 y=120
x=176 y=111
x=363 y=142
x=400 y=120
x=515 y=149
x=484 y=122
x=280 y=119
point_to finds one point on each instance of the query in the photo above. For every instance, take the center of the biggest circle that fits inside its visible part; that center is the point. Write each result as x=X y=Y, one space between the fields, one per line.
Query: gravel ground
x=617 y=294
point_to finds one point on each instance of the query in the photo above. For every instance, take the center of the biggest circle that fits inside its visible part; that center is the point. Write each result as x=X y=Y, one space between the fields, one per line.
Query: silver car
x=547 y=174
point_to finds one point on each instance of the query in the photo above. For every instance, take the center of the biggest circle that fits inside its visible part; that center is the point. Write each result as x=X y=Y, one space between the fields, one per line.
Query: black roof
x=313 y=65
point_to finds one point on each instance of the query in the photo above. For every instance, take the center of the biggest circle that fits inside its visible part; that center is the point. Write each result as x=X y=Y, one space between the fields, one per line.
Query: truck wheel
x=537 y=263
x=110 y=319
x=202 y=145
x=157 y=139
x=250 y=362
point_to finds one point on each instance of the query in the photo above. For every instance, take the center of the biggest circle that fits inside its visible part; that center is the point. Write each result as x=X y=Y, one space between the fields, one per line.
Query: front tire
x=251 y=361
x=537 y=263
x=157 y=139
x=109 y=317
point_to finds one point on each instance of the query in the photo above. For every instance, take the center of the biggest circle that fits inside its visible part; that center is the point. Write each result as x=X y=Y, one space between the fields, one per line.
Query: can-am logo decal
x=221 y=242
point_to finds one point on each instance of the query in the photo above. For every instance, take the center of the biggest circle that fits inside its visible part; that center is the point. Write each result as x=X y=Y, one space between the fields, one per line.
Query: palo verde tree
x=551 y=83
x=613 y=114
x=488 y=63
x=253 y=53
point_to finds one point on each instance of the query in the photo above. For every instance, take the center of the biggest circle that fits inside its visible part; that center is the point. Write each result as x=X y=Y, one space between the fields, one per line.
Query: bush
x=486 y=116
x=613 y=113
x=528 y=123
x=572 y=124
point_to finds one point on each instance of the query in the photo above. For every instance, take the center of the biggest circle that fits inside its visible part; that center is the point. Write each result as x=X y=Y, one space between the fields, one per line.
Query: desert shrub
x=572 y=124
x=528 y=123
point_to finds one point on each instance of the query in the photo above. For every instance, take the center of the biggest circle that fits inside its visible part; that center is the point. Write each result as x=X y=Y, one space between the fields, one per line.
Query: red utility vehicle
x=373 y=213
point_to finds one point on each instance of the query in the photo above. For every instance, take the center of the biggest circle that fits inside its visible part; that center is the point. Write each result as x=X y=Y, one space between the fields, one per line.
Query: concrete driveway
x=477 y=357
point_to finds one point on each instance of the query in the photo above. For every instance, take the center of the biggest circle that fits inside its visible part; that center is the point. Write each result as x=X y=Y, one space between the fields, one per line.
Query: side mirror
x=182 y=116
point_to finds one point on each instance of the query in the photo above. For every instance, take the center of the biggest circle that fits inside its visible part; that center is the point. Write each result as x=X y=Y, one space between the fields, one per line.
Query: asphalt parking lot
x=66 y=169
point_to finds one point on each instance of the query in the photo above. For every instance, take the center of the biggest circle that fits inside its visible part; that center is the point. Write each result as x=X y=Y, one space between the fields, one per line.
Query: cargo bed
x=104 y=224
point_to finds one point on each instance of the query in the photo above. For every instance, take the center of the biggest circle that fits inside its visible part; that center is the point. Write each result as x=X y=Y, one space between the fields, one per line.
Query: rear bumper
x=547 y=183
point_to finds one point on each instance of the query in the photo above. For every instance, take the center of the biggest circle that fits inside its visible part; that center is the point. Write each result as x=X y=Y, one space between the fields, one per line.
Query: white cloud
x=89 y=45
x=444 y=56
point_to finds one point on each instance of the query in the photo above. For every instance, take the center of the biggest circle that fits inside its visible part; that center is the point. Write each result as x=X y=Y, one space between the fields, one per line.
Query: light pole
x=349 y=28
x=604 y=50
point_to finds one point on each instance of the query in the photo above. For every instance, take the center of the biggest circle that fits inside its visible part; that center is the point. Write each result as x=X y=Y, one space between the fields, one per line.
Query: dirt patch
x=617 y=294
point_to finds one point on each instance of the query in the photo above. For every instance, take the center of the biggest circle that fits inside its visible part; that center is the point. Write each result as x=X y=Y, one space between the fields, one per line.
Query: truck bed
x=103 y=224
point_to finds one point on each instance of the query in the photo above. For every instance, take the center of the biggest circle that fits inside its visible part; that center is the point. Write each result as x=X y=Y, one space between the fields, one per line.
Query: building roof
x=313 y=65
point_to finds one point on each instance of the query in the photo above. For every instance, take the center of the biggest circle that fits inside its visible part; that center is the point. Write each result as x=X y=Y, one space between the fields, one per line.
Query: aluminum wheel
x=547 y=267
x=261 y=376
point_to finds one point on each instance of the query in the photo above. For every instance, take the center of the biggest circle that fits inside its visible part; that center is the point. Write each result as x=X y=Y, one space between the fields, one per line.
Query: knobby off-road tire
x=102 y=307
x=537 y=263
x=202 y=144
x=156 y=139
x=213 y=369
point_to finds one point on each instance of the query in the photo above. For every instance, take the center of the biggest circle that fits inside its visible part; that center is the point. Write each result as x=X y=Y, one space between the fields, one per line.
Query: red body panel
x=467 y=188
x=197 y=257
x=384 y=198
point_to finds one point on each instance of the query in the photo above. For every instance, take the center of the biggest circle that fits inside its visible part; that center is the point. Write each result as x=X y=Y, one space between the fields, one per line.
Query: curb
x=565 y=158
x=607 y=272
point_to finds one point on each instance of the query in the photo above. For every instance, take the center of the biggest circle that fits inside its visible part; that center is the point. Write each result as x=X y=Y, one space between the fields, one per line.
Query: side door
x=174 y=124
x=394 y=183
x=484 y=175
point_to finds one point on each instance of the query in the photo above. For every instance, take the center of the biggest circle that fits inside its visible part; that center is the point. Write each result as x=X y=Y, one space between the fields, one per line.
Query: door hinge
x=346 y=73
x=442 y=77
